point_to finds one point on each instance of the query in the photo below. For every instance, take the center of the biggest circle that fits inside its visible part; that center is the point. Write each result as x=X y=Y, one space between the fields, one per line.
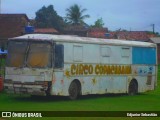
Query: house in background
x=46 y=31
x=97 y=32
x=104 y=33
x=131 y=35
x=156 y=40
x=84 y=31
x=78 y=30
x=12 y=25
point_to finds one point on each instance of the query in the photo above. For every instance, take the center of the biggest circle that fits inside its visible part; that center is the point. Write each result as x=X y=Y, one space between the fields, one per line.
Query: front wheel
x=133 y=88
x=73 y=91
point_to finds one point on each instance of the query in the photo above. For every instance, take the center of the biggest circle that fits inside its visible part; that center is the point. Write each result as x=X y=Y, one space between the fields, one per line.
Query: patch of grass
x=142 y=102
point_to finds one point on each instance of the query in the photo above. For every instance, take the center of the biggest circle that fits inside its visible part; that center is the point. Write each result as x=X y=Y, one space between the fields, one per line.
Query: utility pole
x=153 y=27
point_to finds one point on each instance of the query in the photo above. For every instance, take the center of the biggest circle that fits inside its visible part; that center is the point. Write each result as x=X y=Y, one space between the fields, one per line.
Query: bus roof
x=76 y=39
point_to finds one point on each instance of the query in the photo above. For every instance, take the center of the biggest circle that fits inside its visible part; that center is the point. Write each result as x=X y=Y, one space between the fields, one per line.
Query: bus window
x=16 y=53
x=144 y=55
x=105 y=51
x=59 y=56
x=105 y=54
x=78 y=53
x=39 y=55
x=125 y=55
x=125 y=52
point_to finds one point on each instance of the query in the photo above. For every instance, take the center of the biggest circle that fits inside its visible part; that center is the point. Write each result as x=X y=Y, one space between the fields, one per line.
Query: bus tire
x=133 y=88
x=73 y=90
x=48 y=91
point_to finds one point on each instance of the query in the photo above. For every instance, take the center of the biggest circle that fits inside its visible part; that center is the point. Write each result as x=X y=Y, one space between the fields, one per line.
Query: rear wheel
x=73 y=91
x=133 y=88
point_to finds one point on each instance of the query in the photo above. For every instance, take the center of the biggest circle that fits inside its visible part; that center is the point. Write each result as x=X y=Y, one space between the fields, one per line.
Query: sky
x=134 y=15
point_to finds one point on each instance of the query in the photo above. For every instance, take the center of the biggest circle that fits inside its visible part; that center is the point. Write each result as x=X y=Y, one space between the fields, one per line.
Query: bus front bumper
x=25 y=89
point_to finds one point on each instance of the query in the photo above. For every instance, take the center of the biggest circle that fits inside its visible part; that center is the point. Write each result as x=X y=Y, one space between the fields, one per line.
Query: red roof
x=97 y=32
x=130 y=35
x=45 y=30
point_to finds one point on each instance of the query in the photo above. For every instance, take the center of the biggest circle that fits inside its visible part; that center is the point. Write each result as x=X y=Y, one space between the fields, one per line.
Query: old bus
x=41 y=64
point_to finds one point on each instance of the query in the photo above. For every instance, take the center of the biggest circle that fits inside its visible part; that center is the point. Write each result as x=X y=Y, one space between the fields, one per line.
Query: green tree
x=98 y=23
x=75 y=15
x=47 y=17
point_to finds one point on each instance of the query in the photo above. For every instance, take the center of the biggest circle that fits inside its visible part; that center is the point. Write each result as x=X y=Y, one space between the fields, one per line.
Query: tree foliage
x=75 y=15
x=98 y=23
x=47 y=17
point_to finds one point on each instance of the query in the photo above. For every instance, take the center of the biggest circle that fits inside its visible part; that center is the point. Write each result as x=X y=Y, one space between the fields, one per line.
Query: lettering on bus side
x=80 y=69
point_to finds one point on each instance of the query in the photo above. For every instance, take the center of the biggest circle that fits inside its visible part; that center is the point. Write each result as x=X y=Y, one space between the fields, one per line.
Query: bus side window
x=105 y=51
x=105 y=54
x=78 y=53
x=125 y=52
x=59 y=56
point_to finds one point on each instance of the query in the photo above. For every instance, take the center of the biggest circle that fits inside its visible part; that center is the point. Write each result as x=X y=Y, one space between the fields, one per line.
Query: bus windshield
x=16 y=53
x=29 y=54
x=39 y=55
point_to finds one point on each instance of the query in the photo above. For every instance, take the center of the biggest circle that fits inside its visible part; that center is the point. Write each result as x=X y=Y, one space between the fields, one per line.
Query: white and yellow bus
x=41 y=64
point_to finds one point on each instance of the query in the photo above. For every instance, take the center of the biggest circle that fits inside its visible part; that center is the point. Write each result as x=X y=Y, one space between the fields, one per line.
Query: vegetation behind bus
x=158 y=76
x=2 y=66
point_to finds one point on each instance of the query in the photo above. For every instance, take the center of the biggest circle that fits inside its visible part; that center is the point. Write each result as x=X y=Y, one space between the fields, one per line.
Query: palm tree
x=75 y=15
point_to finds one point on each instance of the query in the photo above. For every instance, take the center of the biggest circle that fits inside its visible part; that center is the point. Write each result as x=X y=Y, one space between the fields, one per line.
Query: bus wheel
x=48 y=91
x=73 y=91
x=133 y=88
